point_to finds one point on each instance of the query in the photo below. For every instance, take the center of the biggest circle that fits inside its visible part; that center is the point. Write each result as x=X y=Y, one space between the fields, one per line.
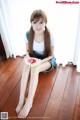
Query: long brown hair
x=36 y=15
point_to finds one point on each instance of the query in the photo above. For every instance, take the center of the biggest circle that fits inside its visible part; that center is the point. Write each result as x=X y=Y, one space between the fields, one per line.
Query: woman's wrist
x=47 y=59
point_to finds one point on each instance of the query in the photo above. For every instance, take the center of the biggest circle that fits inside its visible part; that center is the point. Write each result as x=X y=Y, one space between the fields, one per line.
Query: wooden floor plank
x=69 y=99
x=10 y=85
x=8 y=72
x=54 y=103
x=11 y=105
x=77 y=105
x=57 y=96
x=4 y=65
x=42 y=98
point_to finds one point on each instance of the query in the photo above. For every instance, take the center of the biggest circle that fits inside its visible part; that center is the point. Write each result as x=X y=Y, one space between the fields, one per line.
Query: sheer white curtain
x=63 y=21
x=76 y=59
x=5 y=28
x=12 y=25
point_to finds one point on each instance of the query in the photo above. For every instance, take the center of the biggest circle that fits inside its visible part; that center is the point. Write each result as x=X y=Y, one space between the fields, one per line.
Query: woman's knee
x=26 y=67
x=35 y=70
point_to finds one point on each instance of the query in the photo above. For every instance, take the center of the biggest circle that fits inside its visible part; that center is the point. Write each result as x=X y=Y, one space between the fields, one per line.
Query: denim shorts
x=53 y=64
x=52 y=61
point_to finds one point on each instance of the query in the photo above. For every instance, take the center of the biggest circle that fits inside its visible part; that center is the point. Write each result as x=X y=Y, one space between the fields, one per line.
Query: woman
x=39 y=44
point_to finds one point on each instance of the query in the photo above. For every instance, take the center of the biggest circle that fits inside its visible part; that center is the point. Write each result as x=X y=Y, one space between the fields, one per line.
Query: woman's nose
x=38 y=26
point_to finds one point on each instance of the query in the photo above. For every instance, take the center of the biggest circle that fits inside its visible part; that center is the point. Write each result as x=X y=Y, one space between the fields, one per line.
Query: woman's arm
x=50 y=57
x=27 y=53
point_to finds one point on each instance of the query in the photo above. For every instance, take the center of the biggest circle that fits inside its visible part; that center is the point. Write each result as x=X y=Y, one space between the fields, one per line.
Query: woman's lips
x=38 y=29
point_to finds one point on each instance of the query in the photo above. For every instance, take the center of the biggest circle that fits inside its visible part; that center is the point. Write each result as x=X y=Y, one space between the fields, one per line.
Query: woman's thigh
x=44 y=66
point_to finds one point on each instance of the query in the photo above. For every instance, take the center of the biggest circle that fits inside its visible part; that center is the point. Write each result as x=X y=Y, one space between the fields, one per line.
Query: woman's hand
x=46 y=59
x=39 y=61
x=32 y=62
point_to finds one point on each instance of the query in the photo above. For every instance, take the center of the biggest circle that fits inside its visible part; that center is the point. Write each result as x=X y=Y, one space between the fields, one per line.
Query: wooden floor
x=57 y=96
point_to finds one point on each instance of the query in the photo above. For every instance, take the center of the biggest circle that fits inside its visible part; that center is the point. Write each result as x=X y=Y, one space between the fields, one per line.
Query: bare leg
x=24 y=81
x=33 y=85
x=32 y=88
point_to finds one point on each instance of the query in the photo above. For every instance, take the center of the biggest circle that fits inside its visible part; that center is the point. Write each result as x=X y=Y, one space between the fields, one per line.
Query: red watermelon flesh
x=32 y=60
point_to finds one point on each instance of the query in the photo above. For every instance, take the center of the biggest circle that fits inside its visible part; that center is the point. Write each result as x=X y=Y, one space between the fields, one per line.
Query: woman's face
x=38 y=26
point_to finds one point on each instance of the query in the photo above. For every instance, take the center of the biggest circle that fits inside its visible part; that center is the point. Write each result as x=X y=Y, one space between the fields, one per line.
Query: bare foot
x=25 y=110
x=20 y=105
x=18 y=108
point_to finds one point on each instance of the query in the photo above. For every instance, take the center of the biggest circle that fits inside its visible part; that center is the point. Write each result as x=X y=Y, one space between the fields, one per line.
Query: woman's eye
x=41 y=22
x=34 y=22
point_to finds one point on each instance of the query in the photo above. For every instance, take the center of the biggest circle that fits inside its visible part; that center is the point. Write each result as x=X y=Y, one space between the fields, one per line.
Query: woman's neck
x=39 y=37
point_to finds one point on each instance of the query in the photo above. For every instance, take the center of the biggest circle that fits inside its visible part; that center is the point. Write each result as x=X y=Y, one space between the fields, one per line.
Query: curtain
x=76 y=59
x=5 y=28
x=63 y=21
x=12 y=27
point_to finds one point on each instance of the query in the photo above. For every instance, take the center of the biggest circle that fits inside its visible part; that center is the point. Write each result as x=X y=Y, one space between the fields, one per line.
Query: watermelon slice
x=32 y=60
